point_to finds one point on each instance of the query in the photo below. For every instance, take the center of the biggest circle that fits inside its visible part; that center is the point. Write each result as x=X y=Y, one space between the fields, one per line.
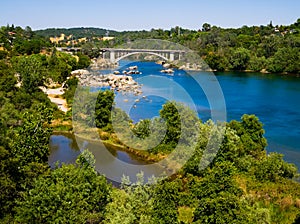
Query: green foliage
x=7 y=78
x=217 y=61
x=31 y=140
x=60 y=65
x=103 y=108
x=239 y=59
x=83 y=61
x=131 y=204
x=7 y=183
x=182 y=123
x=224 y=208
x=256 y=64
x=242 y=184
x=76 y=32
x=142 y=129
x=273 y=167
x=285 y=60
x=251 y=132
x=86 y=159
x=206 y=27
x=33 y=46
x=30 y=70
x=165 y=202
x=3 y=54
x=71 y=86
x=69 y=194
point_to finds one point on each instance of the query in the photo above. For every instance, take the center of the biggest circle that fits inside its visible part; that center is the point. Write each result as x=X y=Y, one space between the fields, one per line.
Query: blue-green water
x=274 y=98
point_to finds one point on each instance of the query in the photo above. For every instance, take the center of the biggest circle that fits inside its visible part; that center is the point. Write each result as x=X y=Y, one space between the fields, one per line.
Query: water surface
x=273 y=98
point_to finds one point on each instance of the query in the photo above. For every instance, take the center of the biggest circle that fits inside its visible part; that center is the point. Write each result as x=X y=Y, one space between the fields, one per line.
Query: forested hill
x=77 y=32
x=265 y=48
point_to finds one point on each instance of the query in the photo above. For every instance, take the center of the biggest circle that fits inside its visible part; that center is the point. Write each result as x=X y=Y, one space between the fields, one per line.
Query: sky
x=146 y=14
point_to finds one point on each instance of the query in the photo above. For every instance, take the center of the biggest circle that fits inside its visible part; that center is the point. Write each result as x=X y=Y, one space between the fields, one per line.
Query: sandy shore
x=55 y=97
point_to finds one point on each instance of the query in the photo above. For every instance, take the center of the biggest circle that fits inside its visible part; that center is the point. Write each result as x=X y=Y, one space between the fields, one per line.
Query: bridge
x=117 y=54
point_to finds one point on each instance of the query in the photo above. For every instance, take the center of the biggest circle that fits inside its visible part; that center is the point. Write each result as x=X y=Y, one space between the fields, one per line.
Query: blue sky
x=147 y=14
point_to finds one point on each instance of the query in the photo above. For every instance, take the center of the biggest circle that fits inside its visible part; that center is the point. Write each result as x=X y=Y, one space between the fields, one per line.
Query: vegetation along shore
x=242 y=184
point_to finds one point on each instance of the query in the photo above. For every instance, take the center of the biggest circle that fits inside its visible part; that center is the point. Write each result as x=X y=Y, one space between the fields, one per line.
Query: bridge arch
x=133 y=53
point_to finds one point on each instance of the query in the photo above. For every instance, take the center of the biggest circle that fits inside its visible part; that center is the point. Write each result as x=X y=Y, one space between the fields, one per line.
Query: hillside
x=78 y=32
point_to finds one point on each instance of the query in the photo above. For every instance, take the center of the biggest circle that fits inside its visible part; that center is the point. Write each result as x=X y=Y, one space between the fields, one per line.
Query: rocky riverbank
x=184 y=66
x=122 y=83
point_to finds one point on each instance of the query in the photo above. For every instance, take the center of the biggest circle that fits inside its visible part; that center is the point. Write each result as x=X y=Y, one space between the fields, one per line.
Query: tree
x=142 y=128
x=103 y=108
x=222 y=209
x=257 y=63
x=60 y=65
x=166 y=198
x=31 y=72
x=216 y=61
x=7 y=183
x=219 y=197
x=251 y=132
x=182 y=123
x=285 y=60
x=239 y=59
x=7 y=79
x=28 y=32
x=133 y=203
x=206 y=27
x=70 y=194
x=30 y=141
x=274 y=167
x=83 y=61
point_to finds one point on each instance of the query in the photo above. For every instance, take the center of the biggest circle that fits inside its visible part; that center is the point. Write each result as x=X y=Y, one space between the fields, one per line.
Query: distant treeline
x=264 y=48
x=75 y=32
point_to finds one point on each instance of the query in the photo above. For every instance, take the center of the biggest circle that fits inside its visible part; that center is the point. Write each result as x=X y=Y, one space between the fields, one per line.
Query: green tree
x=223 y=208
x=83 y=61
x=257 y=63
x=206 y=27
x=239 y=59
x=251 y=132
x=285 y=60
x=142 y=128
x=133 y=203
x=60 y=65
x=70 y=194
x=71 y=86
x=216 y=61
x=103 y=108
x=31 y=72
x=8 y=185
x=273 y=167
x=7 y=79
x=166 y=199
x=30 y=141
x=182 y=123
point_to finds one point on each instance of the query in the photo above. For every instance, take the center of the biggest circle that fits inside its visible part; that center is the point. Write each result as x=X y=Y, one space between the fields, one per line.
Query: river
x=274 y=98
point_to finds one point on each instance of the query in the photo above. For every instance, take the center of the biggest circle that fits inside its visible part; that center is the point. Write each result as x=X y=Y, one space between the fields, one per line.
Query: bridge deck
x=142 y=50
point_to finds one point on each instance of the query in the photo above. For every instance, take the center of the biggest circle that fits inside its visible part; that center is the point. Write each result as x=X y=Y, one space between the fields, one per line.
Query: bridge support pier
x=112 y=56
x=172 y=56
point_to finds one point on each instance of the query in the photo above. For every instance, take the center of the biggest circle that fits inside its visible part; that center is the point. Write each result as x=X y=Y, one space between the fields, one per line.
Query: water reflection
x=65 y=149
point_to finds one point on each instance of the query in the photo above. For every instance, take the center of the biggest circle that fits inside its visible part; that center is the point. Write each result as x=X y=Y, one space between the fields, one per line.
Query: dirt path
x=55 y=97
